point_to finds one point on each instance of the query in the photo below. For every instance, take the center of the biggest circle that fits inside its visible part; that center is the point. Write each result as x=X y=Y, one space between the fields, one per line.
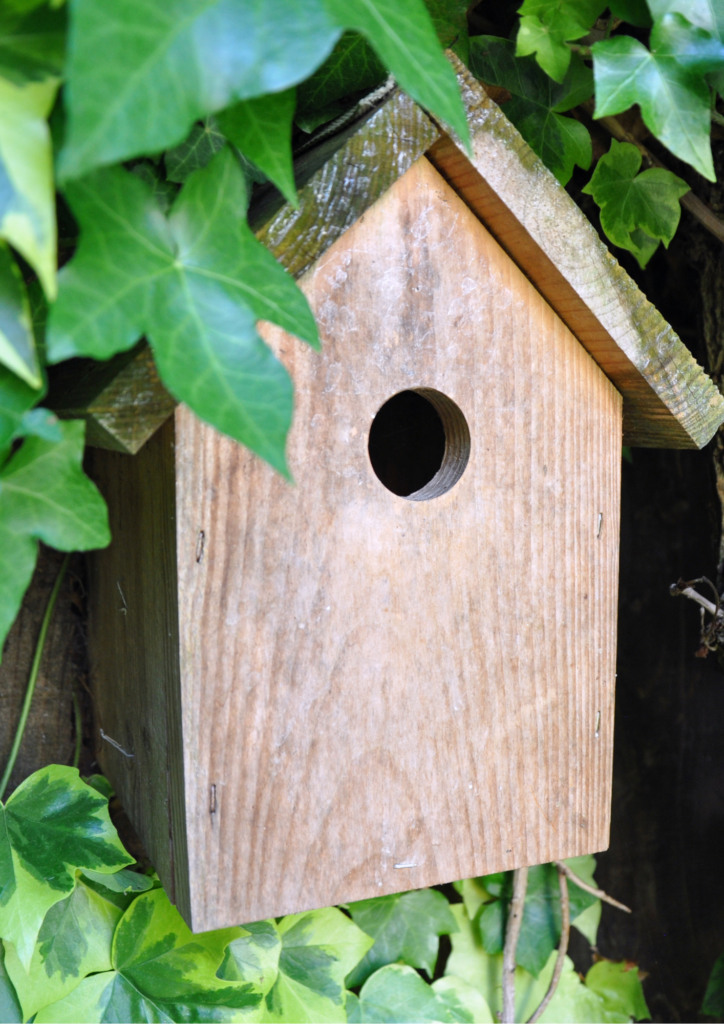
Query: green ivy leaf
x=588 y=920
x=195 y=283
x=203 y=143
x=405 y=926
x=546 y=26
x=450 y=18
x=200 y=56
x=352 y=67
x=403 y=36
x=121 y=881
x=318 y=950
x=10 y=1012
x=631 y=202
x=254 y=956
x=635 y=12
x=619 y=986
x=17 y=342
x=195 y=56
x=462 y=1001
x=560 y=142
x=161 y=972
x=713 y=1004
x=74 y=941
x=667 y=82
x=541 y=927
x=16 y=400
x=44 y=495
x=262 y=129
x=52 y=825
x=397 y=993
x=32 y=44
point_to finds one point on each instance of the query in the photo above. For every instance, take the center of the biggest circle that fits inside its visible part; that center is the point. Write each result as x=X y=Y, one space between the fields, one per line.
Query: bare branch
x=512 y=932
x=599 y=893
x=562 y=946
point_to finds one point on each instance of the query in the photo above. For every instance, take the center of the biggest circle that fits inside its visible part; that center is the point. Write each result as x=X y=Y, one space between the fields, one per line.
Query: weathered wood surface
x=123 y=401
x=50 y=730
x=380 y=694
x=133 y=629
x=668 y=399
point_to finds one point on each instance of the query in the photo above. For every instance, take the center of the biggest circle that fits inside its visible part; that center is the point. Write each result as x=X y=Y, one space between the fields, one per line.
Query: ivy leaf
x=541 y=927
x=262 y=129
x=397 y=993
x=254 y=956
x=27 y=197
x=352 y=67
x=588 y=920
x=405 y=927
x=195 y=283
x=51 y=825
x=450 y=18
x=203 y=143
x=74 y=941
x=121 y=881
x=403 y=36
x=463 y=1002
x=318 y=950
x=44 y=495
x=10 y=1011
x=667 y=82
x=619 y=986
x=546 y=26
x=161 y=972
x=194 y=56
x=635 y=12
x=168 y=63
x=713 y=1004
x=17 y=343
x=32 y=44
x=631 y=202
x=560 y=142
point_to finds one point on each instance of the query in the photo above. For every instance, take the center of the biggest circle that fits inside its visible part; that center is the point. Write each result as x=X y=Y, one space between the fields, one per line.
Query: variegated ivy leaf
x=195 y=284
x=52 y=825
x=32 y=42
x=254 y=956
x=27 y=197
x=160 y=972
x=17 y=342
x=10 y=1010
x=318 y=950
x=167 y=63
x=74 y=941
x=45 y=495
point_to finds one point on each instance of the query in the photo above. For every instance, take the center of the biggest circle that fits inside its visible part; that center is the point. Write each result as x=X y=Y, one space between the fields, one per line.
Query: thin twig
x=33 y=678
x=512 y=932
x=598 y=893
x=562 y=946
x=698 y=209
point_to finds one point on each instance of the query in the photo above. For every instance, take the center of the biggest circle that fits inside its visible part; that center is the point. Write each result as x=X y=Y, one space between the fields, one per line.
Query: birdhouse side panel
x=380 y=693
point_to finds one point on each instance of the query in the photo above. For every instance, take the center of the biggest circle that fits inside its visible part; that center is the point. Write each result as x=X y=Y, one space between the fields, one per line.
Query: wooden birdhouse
x=399 y=671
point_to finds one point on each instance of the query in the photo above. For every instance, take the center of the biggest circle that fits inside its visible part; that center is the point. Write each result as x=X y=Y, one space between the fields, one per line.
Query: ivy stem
x=33 y=678
x=78 y=726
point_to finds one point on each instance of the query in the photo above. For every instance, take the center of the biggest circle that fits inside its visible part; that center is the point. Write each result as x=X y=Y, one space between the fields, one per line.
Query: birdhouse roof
x=668 y=400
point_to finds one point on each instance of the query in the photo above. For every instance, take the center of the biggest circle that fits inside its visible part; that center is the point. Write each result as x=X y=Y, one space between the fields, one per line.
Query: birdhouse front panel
x=399 y=670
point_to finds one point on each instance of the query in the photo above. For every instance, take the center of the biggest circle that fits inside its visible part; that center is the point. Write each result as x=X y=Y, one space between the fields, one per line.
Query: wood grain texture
x=668 y=399
x=123 y=401
x=381 y=694
x=133 y=629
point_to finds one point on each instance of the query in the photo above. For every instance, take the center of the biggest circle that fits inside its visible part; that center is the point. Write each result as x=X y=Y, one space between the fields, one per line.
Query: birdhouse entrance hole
x=419 y=444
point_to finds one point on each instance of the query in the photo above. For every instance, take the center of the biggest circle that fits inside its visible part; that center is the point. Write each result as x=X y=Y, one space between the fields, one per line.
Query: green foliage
x=102 y=942
x=538 y=102
x=17 y=342
x=714 y=996
x=262 y=129
x=667 y=82
x=405 y=927
x=353 y=67
x=547 y=25
x=638 y=210
x=195 y=283
x=44 y=495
